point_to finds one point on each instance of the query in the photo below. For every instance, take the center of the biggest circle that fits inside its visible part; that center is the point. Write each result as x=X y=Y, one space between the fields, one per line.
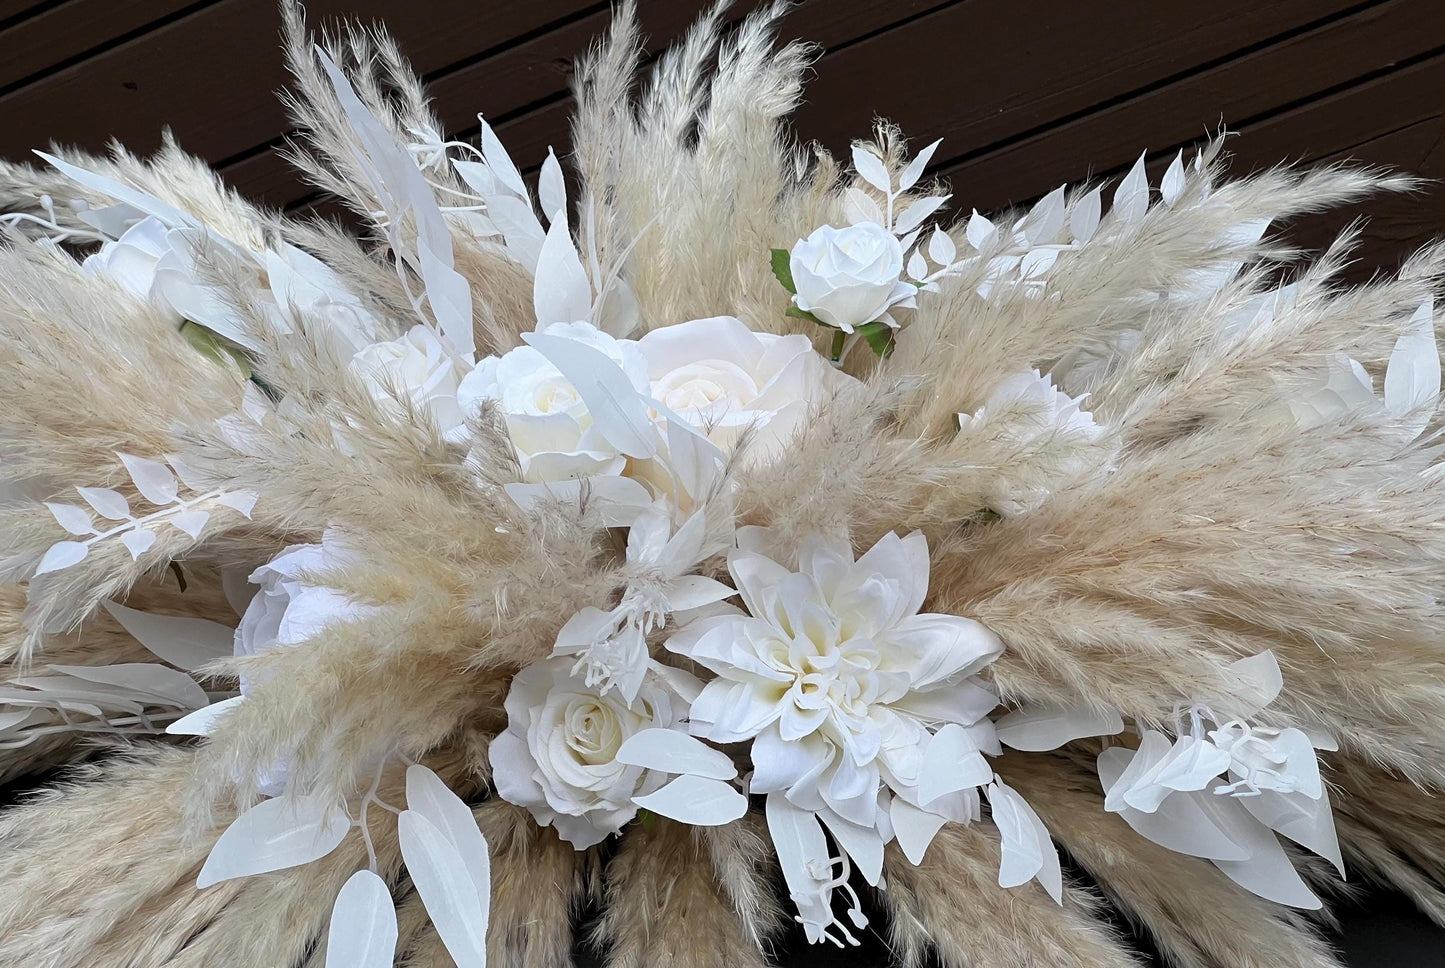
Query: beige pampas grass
x=1198 y=517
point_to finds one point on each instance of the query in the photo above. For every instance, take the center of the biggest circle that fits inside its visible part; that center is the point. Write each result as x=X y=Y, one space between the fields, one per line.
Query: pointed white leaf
x=429 y=796
x=1257 y=680
x=552 y=188
x=941 y=248
x=1131 y=198
x=618 y=500
x=152 y=478
x=863 y=844
x=152 y=682
x=1184 y=822
x=1084 y=219
x=275 y=834
x=917 y=267
x=186 y=642
x=72 y=517
x=695 y=591
x=871 y=169
x=914 y=828
x=915 y=168
x=1046 y=219
x=1038 y=729
x=60 y=555
x=138 y=541
x=203 y=721
x=859 y=206
x=561 y=293
x=917 y=213
x=1172 y=187
x=363 y=925
x=239 y=501
x=458 y=907
x=1268 y=872
x=500 y=163
x=1036 y=263
x=1026 y=850
x=979 y=230
x=191 y=522
x=107 y=503
x=696 y=800
x=619 y=413
x=801 y=848
x=148 y=204
x=952 y=761
x=1412 y=379
x=672 y=751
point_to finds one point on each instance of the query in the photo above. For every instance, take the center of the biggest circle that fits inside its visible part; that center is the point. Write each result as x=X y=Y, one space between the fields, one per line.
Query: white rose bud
x=850 y=276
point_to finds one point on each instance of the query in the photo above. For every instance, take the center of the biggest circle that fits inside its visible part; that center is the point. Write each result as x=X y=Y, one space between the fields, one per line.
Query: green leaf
x=782 y=270
x=804 y=314
x=879 y=336
x=211 y=346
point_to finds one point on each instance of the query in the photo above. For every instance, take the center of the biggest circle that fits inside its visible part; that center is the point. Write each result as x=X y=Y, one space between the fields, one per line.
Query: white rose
x=721 y=377
x=546 y=419
x=850 y=276
x=558 y=755
x=131 y=260
x=418 y=366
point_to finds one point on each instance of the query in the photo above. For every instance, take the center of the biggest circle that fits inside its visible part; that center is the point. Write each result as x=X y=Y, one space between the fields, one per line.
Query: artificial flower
x=850 y=276
x=558 y=755
x=546 y=417
x=417 y=368
x=131 y=260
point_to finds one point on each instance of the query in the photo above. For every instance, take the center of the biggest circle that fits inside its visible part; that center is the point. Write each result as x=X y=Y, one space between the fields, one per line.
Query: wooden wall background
x=1026 y=94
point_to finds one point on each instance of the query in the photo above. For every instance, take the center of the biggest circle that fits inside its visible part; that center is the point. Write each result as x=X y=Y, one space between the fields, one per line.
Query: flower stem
x=838 y=337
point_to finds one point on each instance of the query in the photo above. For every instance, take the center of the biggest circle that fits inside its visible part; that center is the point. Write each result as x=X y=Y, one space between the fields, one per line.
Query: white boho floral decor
x=723 y=538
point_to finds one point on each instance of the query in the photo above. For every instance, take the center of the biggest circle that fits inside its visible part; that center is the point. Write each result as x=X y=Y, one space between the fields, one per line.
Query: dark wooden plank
x=13 y=11
x=1295 y=70
x=212 y=76
x=539 y=70
x=72 y=30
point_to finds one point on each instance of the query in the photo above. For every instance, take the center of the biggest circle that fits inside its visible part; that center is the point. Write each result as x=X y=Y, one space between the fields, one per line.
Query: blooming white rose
x=558 y=755
x=721 y=378
x=131 y=261
x=850 y=276
x=419 y=366
x=546 y=418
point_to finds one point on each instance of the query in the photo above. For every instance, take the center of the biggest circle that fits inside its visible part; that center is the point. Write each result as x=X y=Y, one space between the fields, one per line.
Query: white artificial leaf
x=952 y=761
x=1189 y=764
x=191 y=522
x=1026 y=850
x=1412 y=379
x=518 y=224
x=1131 y=198
x=152 y=478
x=138 y=541
x=1257 y=680
x=941 y=248
x=240 y=501
x=1084 y=219
x=1307 y=821
x=1038 y=729
x=871 y=169
x=801 y=849
x=60 y=555
x=979 y=230
x=619 y=413
x=696 y=800
x=1036 y=263
x=863 y=844
x=186 y=642
x=561 y=292
x=915 y=214
x=182 y=467
x=203 y=721
x=1182 y=823
x=694 y=591
x=428 y=795
x=859 y=206
x=148 y=204
x=1046 y=218
x=107 y=503
x=672 y=751
x=618 y=499
x=914 y=828
x=459 y=908
x=275 y=834
x=363 y=924
x=1153 y=747
x=447 y=291
x=500 y=163
x=552 y=188
x=1172 y=187
x=917 y=267
x=155 y=683
x=915 y=168
x=72 y=517
x=1268 y=872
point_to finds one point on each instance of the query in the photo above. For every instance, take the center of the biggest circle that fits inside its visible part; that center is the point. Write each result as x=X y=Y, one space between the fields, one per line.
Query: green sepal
x=783 y=270
x=879 y=336
x=804 y=314
x=211 y=346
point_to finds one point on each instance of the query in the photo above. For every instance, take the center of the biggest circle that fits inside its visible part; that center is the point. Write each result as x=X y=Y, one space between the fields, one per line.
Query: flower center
x=593 y=732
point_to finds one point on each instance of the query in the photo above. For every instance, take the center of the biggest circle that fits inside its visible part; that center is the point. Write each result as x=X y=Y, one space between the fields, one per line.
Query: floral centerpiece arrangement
x=722 y=537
